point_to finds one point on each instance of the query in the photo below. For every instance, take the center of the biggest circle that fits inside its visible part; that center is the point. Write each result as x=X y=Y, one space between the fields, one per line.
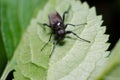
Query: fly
x=58 y=27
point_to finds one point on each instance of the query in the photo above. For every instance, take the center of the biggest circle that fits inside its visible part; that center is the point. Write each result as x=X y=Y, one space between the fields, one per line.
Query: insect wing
x=54 y=18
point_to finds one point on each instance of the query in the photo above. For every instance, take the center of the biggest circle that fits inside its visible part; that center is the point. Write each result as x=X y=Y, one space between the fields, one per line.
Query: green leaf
x=15 y=18
x=16 y=15
x=112 y=69
x=74 y=60
x=3 y=58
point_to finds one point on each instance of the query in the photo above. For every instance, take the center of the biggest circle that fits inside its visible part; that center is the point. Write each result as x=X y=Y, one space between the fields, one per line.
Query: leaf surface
x=74 y=60
x=16 y=16
x=112 y=69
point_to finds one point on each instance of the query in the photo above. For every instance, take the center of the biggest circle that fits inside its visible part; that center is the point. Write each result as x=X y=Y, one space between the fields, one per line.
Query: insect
x=58 y=27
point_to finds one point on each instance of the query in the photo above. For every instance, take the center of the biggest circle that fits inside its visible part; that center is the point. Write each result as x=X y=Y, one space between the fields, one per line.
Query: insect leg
x=47 y=42
x=44 y=24
x=54 y=44
x=75 y=25
x=66 y=12
x=68 y=32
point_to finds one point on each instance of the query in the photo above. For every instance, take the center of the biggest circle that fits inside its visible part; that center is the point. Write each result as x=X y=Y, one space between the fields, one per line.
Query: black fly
x=56 y=23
